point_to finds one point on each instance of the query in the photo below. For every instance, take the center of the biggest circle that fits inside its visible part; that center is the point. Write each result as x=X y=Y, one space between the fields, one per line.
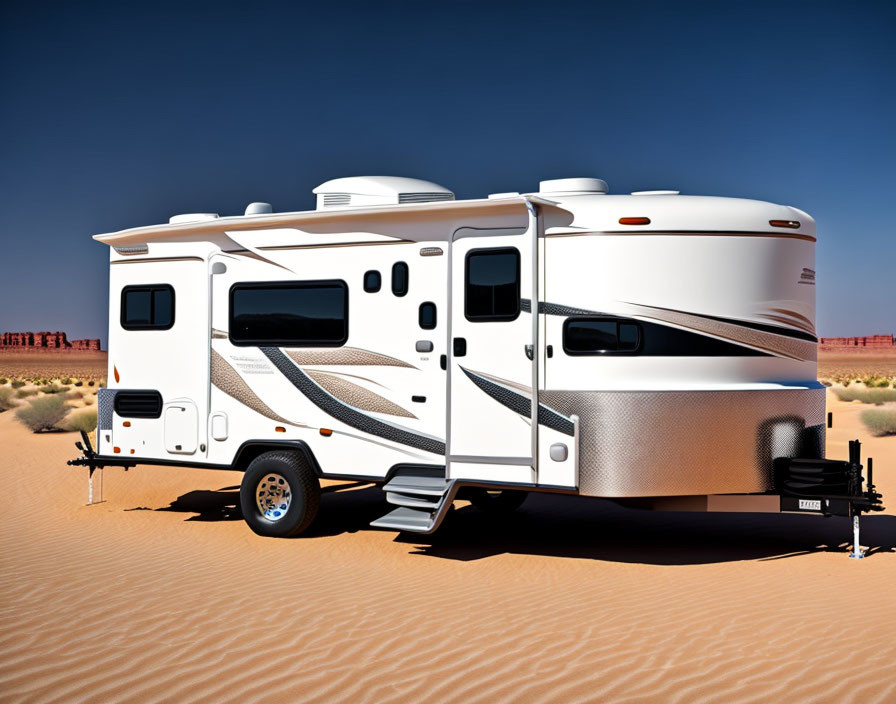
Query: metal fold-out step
x=422 y=499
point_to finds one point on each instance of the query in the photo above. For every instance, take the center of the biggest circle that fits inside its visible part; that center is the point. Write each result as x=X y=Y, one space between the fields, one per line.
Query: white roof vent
x=655 y=193
x=574 y=186
x=259 y=209
x=192 y=217
x=364 y=191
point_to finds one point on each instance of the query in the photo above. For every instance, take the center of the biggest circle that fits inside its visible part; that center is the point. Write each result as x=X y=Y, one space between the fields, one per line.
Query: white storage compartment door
x=181 y=421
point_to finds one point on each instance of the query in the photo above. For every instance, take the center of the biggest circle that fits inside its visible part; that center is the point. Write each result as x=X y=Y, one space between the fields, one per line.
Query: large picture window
x=149 y=307
x=492 y=285
x=289 y=313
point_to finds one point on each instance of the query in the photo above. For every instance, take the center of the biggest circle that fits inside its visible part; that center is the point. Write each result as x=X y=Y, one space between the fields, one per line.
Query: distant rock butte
x=56 y=341
x=875 y=342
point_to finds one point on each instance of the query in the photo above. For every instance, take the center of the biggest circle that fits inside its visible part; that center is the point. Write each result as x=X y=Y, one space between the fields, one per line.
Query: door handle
x=529 y=351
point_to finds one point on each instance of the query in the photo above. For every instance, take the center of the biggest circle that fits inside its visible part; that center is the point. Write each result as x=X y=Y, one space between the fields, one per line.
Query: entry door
x=492 y=360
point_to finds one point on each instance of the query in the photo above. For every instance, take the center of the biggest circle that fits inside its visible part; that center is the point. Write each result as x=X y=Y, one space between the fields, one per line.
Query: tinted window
x=372 y=281
x=492 y=285
x=600 y=336
x=400 y=278
x=584 y=336
x=147 y=307
x=427 y=315
x=308 y=313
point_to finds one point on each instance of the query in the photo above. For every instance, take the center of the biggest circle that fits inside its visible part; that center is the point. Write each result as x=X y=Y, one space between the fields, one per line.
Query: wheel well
x=251 y=449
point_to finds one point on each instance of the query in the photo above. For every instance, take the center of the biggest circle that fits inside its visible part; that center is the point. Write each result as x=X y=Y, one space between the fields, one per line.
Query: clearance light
x=792 y=224
x=280 y=429
x=116 y=450
x=115 y=373
x=326 y=432
x=132 y=450
x=127 y=424
x=634 y=221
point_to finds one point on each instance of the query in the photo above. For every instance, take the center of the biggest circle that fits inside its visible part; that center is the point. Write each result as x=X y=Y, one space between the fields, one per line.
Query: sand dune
x=163 y=593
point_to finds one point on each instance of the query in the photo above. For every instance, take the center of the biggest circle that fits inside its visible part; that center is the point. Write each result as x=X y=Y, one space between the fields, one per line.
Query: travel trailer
x=652 y=348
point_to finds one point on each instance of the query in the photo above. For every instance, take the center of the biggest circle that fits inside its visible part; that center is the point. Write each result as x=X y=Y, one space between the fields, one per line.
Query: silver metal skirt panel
x=674 y=443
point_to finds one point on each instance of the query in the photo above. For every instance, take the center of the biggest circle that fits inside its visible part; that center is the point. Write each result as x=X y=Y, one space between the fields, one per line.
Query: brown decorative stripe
x=733 y=331
x=357 y=396
x=731 y=233
x=348 y=356
x=218 y=334
x=228 y=380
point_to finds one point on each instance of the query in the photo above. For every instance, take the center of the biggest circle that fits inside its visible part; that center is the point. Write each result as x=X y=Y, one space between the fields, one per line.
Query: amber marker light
x=116 y=450
x=634 y=221
x=127 y=424
x=326 y=432
x=792 y=224
x=280 y=429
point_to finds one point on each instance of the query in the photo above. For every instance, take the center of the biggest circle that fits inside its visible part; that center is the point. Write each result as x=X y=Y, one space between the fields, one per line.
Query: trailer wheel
x=279 y=495
x=497 y=501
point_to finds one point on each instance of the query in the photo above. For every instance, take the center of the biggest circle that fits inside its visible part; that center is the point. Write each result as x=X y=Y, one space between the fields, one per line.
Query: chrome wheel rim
x=273 y=496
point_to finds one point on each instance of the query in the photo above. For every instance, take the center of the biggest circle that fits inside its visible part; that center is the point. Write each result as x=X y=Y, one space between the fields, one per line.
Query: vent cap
x=259 y=208
x=574 y=186
x=365 y=191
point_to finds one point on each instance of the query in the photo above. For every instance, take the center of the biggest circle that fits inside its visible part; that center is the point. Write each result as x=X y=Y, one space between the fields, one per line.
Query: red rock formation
x=45 y=341
x=845 y=344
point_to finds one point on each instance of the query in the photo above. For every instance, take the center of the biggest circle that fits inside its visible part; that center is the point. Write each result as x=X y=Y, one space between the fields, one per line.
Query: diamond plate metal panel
x=673 y=443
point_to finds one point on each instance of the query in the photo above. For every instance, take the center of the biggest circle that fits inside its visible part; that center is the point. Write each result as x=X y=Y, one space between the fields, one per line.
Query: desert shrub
x=81 y=420
x=43 y=414
x=74 y=394
x=3 y=381
x=91 y=382
x=66 y=381
x=25 y=393
x=875 y=396
x=54 y=389
x=17 y=383
x=79 y=383
x=878 y=382
x=6 y=399
x=880 y=421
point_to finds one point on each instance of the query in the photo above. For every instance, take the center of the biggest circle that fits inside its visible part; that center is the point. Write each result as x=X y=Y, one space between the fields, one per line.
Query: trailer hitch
x=93 y=461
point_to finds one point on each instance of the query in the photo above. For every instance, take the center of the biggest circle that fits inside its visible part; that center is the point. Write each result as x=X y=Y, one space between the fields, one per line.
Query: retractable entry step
x=422 y=499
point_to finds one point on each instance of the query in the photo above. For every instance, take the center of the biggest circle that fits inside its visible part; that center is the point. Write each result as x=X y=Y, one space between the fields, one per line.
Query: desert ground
x=162 y=593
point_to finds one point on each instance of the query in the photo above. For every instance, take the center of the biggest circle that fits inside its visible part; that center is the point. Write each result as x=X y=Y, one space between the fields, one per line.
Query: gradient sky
x=114 y=115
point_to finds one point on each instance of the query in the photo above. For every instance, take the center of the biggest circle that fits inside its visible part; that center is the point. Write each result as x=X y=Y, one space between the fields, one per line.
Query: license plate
x=810 y=505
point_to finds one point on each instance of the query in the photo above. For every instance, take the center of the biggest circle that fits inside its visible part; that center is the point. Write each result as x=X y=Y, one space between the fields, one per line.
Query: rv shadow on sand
x=595 y=529
x=577 y=527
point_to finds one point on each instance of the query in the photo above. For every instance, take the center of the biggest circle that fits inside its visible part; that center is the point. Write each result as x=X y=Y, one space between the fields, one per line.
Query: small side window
x=427 y=317
x=372 y=281
x=399 y=279
x=594 y=336
x=148 y=307
x=492 y=285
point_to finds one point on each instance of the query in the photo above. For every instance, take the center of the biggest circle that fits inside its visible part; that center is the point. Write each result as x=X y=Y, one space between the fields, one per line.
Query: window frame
x=398 y=292
x=435 y=316
x=519 y=285
x=379 y=284
x=303 y=284
x=603 y=319
x=152 y=288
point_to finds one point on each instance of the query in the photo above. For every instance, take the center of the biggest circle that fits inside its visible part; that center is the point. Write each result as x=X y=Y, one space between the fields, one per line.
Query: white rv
x=653 y=348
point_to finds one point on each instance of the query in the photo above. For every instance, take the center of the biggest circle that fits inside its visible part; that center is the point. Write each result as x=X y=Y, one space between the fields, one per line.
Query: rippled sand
x=163 y=593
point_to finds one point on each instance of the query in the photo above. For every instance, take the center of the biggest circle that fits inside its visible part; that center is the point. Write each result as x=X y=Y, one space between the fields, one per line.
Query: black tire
x=497 y=501
x=304 y=494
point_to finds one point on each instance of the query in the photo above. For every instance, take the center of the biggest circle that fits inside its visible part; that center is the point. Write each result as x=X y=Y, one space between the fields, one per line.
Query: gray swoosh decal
x=348 y=415
x=519 y=403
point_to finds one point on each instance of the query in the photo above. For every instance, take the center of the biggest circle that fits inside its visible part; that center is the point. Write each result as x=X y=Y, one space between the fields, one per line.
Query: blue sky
x=114 y=115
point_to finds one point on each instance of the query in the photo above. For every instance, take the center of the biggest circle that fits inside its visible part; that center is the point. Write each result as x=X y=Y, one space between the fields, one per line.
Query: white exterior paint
x=705 y=256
